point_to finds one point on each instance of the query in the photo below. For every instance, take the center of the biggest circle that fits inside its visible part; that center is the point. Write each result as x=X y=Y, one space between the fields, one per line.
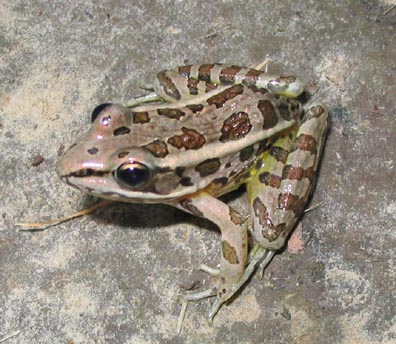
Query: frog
x=204 y=131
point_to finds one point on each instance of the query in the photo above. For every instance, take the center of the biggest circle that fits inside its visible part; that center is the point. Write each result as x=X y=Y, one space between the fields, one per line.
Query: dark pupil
x=98 y=110
x=133 y=175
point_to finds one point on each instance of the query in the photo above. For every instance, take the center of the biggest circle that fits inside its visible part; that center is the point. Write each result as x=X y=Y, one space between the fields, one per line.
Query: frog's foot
x=200 y=295
x=264 y=261
x=212 y=292
x=147 y=87
x=258 y=259
x=193 y=297
x=209 y=270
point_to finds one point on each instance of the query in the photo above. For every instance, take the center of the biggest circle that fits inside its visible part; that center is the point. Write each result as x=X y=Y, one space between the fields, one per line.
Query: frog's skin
x=216 y=127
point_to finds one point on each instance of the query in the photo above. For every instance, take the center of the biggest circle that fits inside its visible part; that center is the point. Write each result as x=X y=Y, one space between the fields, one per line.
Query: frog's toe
x=264 y=261
x=201 y=295
x=219 y=300
x=193 y=297
x=209 y=270
x=215 y=308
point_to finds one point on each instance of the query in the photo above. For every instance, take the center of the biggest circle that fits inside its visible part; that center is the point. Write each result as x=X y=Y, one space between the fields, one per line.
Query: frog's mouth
x=75 y=179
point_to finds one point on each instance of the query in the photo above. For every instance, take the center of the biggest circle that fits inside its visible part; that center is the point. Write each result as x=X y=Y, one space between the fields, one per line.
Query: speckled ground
x=113 y=277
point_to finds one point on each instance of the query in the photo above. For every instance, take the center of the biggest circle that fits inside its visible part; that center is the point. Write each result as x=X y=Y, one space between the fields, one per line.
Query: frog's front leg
x=150 y=97
x=234 y=244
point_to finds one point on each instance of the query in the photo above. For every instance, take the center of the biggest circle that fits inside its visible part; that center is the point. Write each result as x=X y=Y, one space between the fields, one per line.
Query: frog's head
x=122 y=157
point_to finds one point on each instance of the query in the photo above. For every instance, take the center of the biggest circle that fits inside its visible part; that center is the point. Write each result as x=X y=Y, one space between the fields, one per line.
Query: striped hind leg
x=283 y=184
x=192 y=81
x=280 y=188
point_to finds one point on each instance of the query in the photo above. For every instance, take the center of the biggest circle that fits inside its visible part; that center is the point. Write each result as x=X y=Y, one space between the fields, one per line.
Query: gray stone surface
x=113 y=277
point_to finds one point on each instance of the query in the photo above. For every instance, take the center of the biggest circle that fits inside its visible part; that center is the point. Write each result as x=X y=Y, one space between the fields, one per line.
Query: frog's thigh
x=264 y=190
x=234 y=242
x=282 y=184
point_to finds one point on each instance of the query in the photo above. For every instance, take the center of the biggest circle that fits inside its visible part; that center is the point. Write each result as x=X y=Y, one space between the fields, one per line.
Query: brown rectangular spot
x=140 y=117
x=261 y=212
x=190 y=139
x=192 y=86
x=210 y=86
x=307 y=143
x=208 y=167
x=229 y=253
x=204 y=72
x=227 y=75
x=171 y=113
x=279 y=153
x=270 y=179
x=288 y=201
x=195 y=107
x=235 y=217
x=251 y=77
x=185 y=70
x=168 y=86
x=256 y=89
x=269 y=115
x=235 y=127
x=219 y=99
x=158 y=148
x=309 y=173
x=292 y=172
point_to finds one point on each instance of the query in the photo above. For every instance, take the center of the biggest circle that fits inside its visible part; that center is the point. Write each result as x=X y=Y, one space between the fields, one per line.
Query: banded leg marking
x=285 y=180
x=194 y=80
x=187 y=82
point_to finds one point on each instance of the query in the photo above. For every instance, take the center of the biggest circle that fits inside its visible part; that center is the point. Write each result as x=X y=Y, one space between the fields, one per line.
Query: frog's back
x=186 y=148
x=236 y=117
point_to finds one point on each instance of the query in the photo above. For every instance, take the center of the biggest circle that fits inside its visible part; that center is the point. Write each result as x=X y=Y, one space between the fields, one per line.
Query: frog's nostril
x=98 y=110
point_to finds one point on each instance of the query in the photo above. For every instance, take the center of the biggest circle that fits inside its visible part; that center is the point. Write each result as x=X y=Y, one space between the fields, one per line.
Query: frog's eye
x=98 y=110
x=133 y=175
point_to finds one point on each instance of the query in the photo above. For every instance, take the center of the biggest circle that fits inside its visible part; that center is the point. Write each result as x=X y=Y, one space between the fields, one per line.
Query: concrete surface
x=113 y=277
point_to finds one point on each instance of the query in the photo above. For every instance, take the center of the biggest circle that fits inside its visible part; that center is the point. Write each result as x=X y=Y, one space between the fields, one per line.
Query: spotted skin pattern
x=216 y=127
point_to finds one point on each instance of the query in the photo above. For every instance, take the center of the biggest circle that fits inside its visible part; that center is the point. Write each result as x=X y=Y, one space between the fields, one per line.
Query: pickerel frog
x=213 y=128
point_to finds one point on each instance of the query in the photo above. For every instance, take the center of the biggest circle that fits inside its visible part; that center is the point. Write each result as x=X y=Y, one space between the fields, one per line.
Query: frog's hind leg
x=173 y=85
x=263 y=196
x=281 y=185
x=192 y=81
x=187 y=82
